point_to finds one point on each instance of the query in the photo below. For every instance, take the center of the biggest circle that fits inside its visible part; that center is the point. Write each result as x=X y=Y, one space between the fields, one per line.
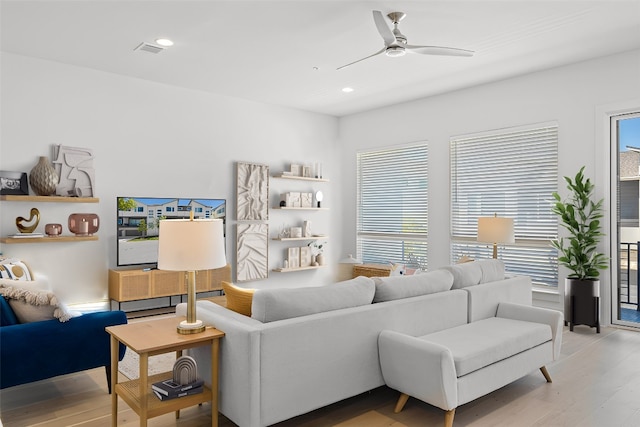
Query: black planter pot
x=582 y=303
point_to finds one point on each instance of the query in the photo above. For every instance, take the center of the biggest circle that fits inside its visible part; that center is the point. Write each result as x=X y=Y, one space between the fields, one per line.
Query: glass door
x=625 y=133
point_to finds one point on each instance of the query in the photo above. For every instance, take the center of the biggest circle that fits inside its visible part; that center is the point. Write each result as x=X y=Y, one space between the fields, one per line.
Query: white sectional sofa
x=284 y=366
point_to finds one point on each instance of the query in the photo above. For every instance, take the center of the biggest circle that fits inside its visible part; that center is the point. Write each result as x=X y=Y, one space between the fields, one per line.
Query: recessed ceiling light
x=347 y=89
x=164 y=42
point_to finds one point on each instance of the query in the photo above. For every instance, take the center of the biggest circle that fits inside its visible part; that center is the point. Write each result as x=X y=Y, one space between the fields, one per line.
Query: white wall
x=149 y=140
x=569 y=95
x=156 y=140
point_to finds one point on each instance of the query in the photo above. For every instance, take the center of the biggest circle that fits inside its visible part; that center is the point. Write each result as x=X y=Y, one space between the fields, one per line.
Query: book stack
x=169 y=389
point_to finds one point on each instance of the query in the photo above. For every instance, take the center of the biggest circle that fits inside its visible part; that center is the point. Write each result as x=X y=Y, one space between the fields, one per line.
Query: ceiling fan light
x=394 y=51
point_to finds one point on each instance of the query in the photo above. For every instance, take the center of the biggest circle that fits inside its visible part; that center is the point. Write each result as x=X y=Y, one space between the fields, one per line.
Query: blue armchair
x=39 y=350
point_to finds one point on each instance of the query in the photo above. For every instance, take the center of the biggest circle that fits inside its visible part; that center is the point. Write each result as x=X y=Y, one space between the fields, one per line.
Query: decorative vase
x=84 y=224
x=43 y=177
x=582 y=303
x=320 y=259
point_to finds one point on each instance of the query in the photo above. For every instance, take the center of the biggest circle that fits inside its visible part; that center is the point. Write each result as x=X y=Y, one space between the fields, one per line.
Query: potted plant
x=580 y=216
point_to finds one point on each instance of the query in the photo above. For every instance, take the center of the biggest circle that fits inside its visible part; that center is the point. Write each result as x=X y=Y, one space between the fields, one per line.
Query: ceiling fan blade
x=383 y=29
x=366 y=57
x=439 y=50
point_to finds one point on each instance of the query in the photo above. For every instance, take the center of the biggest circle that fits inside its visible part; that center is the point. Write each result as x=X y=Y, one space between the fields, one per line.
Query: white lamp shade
x=190 y=245
x=494 y=229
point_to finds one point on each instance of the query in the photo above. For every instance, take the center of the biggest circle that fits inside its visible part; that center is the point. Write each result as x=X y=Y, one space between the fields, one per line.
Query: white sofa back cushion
x=476 y=272
x=397 y=287
x=283 y=303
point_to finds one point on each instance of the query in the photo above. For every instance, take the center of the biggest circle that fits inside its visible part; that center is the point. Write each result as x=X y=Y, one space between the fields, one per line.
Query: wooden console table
x=140 y=284
x=150 y=338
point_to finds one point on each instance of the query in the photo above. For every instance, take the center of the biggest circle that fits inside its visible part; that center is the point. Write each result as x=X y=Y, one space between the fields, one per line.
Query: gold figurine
x=28 y=228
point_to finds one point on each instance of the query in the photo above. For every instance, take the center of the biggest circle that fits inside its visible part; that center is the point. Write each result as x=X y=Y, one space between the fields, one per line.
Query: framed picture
x=305 y=256
x=252 y=192
x=252 y=256
x=294 y=257
x=14 y=183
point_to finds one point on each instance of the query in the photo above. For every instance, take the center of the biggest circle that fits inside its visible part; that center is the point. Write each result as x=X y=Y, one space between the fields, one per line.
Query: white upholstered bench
x=457 y=365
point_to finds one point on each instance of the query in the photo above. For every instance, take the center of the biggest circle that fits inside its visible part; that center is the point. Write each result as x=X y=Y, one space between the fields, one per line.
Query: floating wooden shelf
x=301 y=178
x=291 y=270
x=47 y=239
x=54 y=199
x=291 y=239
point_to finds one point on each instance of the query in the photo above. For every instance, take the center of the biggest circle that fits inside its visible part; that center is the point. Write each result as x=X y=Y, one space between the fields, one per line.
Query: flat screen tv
x=139 y=221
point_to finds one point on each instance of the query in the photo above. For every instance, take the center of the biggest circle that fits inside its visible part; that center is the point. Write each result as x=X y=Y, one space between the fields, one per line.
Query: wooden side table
x=150 y=338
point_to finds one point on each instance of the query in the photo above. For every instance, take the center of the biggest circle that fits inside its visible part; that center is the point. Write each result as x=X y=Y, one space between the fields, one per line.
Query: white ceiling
x=286 y=52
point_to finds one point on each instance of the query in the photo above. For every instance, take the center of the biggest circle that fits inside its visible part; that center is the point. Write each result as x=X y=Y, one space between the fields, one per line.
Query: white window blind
x=511 y=173
x=392 y=205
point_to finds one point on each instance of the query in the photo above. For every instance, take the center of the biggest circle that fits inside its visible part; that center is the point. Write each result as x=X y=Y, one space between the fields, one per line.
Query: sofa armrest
x=526 y=313
x=419 y=368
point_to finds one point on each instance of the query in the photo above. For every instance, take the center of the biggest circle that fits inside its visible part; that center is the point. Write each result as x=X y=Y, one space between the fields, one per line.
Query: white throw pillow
x=476 y=272
x=14 y=269
x=283 y=303
x=398 y=287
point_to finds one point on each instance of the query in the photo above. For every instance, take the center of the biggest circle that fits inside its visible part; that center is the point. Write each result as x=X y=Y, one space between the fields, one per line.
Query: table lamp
x=494 y=229
x=190 y=245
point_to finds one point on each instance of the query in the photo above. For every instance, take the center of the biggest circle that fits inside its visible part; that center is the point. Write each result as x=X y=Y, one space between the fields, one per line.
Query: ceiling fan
x=395 y=43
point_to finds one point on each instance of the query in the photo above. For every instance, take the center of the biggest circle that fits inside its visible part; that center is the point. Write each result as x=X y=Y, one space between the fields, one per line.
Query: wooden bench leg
x=448 y=417
x=402 y=400
x=546 y=374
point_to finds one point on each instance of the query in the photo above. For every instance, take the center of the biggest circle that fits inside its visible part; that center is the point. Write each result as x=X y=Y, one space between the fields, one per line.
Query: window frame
x=410 y=246
x=531 y=254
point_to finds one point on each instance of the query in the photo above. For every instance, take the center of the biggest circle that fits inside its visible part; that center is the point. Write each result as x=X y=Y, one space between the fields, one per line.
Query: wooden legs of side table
x=142 y=388
x=215 y=347
x=114 y=380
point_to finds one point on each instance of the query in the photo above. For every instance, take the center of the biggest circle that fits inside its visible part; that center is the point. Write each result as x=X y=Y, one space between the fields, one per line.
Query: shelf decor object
x=190 y=245
x=74 y=166
x=43 y=177
x=13 y=183
x=84 y=224
x=185 y=370
x=53 y=230
x=252 y=192
x=252 y=256
x=34 y=213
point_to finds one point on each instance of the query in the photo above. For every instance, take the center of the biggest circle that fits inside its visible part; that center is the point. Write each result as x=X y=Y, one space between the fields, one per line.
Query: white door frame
x=607 y=179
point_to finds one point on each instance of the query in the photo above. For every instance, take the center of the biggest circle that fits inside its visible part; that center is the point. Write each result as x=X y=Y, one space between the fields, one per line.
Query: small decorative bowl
x=53 y=230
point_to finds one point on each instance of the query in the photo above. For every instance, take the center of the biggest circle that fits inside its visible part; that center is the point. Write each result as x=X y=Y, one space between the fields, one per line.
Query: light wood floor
x=595 y=383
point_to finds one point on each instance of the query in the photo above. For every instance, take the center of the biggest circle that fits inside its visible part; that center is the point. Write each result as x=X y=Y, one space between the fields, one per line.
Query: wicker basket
x=371 y=270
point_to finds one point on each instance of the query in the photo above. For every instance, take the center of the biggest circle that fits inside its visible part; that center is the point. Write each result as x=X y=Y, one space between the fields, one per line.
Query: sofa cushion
x=397 y=287
x=7 y=316
x=14 y=269
x=238 y=299
x=276 y=304
x=33 y=305
x=476 y=272
x=479 y=344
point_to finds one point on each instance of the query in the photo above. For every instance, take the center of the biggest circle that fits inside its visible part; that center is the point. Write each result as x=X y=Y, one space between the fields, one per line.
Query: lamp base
x=187 y=328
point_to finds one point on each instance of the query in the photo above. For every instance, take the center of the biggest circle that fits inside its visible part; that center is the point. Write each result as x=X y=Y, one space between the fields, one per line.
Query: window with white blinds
x=392 y=205
x=511 y=173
